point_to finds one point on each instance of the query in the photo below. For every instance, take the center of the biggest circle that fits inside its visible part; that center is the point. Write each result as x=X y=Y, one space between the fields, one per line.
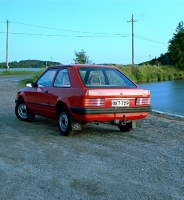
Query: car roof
x=82 y=65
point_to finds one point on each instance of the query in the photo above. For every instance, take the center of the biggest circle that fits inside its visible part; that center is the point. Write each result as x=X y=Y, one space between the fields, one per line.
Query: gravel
x=99 y=162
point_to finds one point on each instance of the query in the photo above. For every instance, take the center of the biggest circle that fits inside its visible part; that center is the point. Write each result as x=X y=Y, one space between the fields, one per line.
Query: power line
x=85 y=36
x=150 y=40
x=38 y=34
x=86 y=12
x=58 y=29
x=111 y=35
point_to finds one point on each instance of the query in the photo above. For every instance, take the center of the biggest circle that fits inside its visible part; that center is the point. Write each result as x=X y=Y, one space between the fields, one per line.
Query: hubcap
x=63 y=121
x=22 y=110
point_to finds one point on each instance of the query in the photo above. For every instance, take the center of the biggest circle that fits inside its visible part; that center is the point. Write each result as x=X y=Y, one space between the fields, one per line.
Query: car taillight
x=143 y=101
x=93 y=102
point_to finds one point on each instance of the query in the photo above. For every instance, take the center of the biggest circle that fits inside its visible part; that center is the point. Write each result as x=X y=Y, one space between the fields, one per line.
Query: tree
x=81 y=58
x=180 y=27
x=29 y=64
x=176 y=47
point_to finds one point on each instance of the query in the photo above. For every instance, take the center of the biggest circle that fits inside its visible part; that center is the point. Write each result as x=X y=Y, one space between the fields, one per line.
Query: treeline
x=163 y=59
x=175 y=54
x=29 y=64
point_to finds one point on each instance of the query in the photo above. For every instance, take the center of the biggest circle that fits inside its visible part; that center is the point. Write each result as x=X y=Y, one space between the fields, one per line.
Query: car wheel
x=64 y=121
x=22 y=112
x=125 y=128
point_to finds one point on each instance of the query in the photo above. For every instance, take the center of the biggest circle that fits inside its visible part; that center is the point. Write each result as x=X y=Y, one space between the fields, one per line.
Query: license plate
x=120 y=103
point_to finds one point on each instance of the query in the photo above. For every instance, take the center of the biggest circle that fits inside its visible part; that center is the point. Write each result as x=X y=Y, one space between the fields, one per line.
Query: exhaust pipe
x=123 y=123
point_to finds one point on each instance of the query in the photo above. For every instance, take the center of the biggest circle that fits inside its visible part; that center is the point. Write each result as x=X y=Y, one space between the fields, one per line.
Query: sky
x=52 y=30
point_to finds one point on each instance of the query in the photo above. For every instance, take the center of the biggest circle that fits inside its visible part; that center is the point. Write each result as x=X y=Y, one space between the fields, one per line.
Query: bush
x=147 y=73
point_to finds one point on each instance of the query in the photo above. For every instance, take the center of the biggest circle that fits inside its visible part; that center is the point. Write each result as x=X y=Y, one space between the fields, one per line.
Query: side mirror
x=29 y=84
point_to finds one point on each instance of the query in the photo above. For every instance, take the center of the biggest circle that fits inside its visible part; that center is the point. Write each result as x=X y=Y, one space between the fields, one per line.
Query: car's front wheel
x=22 y=112
x=64 y=121
x=125 y=127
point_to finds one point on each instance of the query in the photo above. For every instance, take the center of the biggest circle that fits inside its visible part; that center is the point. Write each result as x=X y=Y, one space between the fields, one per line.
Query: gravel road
x=99 y=162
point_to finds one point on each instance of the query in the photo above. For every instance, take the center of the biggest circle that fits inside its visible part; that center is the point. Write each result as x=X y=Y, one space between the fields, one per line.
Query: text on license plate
x=120 y=103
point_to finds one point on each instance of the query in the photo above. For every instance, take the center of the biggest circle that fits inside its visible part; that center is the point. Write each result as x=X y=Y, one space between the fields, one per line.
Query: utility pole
x=132 y=20
x=7 y=46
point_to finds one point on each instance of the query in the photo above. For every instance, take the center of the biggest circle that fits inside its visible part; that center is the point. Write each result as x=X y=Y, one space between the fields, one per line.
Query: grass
x=22 y=72
x=149 y=73
x=33 y=79
x=145 y=73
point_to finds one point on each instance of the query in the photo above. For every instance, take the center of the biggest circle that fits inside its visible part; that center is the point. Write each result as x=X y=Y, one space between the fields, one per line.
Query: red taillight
x=143 y=101
x=93 y=102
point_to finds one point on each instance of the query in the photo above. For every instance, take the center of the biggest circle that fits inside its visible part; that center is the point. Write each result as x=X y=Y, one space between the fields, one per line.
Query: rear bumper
x=86 y=111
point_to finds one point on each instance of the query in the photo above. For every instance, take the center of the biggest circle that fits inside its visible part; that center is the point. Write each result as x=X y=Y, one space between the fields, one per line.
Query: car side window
x=46 y=79
x=62 y=79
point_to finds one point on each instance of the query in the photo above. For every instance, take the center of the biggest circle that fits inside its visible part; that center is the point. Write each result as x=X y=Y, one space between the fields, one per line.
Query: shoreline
x=167 y=115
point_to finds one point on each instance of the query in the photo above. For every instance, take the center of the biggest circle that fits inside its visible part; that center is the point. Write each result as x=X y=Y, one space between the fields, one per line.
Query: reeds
x=148 y=73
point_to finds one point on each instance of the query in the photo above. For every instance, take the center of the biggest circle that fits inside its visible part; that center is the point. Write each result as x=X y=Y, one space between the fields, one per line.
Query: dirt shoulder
x=99 y=162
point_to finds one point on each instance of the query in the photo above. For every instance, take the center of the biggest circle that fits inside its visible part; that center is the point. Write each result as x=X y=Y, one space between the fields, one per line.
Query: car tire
x=22 y=112
x=125 y=128
x=64 y=122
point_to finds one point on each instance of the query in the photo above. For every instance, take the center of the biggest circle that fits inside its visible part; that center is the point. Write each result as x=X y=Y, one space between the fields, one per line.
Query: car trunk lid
x=117 y=97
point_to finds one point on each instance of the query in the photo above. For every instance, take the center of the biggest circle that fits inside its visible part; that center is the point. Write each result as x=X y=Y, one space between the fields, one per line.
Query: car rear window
x=104 y=77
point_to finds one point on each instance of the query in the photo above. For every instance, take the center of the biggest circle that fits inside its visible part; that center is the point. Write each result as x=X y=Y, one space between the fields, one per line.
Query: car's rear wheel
x=64 y=121
x=125 y=127
x=22 y=112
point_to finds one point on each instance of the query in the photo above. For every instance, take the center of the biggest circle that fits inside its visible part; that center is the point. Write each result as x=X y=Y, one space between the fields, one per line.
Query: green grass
x=148 y=73
x=22 y=72
x=33 y=79
x=139 y=74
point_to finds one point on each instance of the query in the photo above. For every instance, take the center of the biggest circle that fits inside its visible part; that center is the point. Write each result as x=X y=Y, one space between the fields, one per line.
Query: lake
x=21 y=69
x=167 y=96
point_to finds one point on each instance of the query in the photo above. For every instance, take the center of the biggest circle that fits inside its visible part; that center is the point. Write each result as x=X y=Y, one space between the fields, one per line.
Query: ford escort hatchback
x=78 y=94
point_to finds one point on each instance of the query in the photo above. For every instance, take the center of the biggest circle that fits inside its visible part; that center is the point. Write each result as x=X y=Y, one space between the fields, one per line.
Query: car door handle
x=46 y=91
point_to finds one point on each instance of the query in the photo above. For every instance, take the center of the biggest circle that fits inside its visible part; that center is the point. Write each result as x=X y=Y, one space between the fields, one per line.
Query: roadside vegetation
x=141 y=73
x=169 y=66
x=138 y=74
x=22 y=72
x=33 y=79
x=148 y=73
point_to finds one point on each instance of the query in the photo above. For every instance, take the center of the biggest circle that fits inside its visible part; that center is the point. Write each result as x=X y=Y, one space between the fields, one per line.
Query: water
x=21 y=69
x=167 y=96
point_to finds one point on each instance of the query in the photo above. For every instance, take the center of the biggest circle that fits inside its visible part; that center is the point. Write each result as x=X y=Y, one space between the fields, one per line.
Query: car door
x=61 y=89
x=39 y=95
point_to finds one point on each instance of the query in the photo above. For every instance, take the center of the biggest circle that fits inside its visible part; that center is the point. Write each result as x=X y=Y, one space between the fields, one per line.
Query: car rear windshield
x=105 y=78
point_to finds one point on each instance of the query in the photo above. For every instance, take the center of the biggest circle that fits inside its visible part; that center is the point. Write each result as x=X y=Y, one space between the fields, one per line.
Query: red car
x=77 y=94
